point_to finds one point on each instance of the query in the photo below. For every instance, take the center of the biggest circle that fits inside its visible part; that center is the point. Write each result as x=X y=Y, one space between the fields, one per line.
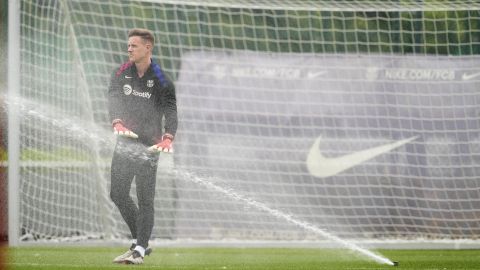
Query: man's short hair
x=145 y=34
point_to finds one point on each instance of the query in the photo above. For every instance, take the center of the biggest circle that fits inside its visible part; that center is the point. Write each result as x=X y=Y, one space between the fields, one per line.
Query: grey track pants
x=131 y=160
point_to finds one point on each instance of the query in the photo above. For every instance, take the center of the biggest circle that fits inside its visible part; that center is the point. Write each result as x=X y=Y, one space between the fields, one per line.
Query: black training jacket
x=141 y=103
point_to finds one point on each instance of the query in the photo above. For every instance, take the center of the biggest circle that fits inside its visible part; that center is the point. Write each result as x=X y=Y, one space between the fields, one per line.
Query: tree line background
x=3 y=124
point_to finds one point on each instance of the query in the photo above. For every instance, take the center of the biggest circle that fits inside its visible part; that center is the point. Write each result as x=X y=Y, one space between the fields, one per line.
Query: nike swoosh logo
x=467 y=77
x=320 y=166
x=127 y=77
x=311 y=74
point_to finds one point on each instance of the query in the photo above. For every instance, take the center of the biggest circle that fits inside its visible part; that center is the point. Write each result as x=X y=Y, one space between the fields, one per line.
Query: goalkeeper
x=139 y=96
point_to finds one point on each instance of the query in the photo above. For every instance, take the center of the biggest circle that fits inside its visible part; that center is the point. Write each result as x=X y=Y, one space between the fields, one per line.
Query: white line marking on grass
x=74 y=265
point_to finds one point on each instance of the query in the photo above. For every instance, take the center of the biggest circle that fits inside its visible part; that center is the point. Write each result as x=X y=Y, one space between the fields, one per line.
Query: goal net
x=361 y=118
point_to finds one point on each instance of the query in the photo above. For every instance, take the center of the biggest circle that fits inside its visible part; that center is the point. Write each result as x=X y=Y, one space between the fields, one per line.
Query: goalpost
x=358 y=117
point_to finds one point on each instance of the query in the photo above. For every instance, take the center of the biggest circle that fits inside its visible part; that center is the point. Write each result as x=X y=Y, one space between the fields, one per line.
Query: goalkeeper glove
x=121 y=130
x=165 y=144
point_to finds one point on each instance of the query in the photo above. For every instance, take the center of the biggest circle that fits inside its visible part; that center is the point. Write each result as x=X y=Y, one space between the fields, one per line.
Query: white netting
x=360 y=117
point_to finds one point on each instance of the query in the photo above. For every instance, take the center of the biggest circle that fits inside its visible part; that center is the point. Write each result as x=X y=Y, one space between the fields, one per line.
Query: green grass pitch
x=53 y=258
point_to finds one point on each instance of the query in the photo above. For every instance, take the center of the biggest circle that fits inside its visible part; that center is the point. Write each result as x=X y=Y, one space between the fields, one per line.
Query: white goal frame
x=14 y=164
x=13 y=87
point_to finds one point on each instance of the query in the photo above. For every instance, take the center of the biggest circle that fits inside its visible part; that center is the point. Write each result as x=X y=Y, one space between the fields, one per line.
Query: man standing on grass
x=139 y=96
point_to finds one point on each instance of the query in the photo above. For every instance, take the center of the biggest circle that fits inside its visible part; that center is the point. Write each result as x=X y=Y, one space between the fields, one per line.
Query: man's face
x=138 y=50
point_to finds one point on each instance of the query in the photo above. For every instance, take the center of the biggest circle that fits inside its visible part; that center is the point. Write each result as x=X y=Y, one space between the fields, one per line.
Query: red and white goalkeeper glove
x=121 y=130
x=165 y=144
